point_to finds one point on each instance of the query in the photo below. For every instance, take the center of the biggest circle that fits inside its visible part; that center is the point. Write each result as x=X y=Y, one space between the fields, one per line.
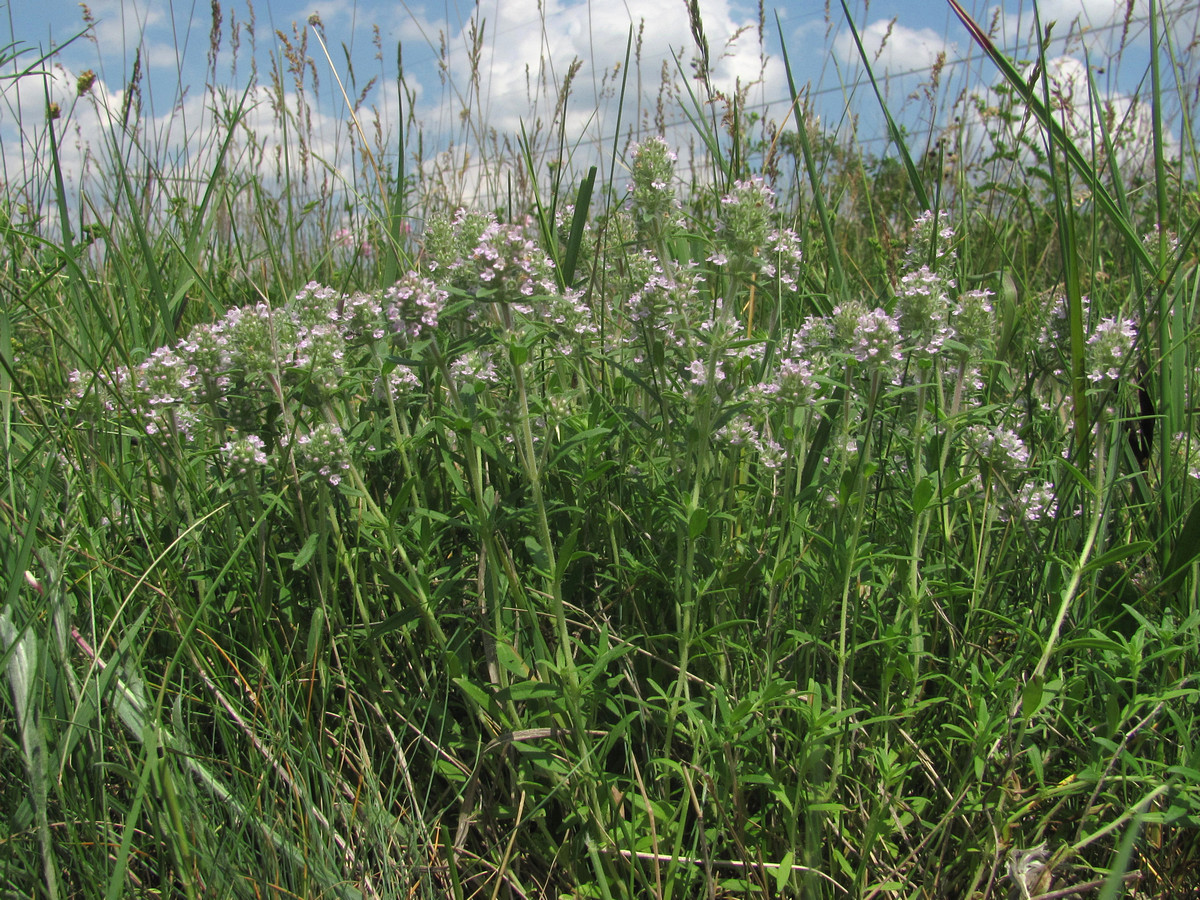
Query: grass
x=695 y=540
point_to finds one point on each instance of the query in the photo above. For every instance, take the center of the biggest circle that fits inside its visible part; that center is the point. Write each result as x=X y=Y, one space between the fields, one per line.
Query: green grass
x=680 y=566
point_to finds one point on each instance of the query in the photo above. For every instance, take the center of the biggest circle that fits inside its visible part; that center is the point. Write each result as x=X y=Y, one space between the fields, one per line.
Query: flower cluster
x=751 y=245
x=1003 y=455
x=361 y=318
x=474 y=369
x=782 y=258
x=315 y=304
x=448 y=241
x=1034 y=501
x=348 y=240
x=1150 y=242
x=507 y=263
x=923 y=310
x=1001 y=448
x=742 y=433
x=652 y=189
x=476 y=255
x=869 y=336
x=571 y=317
x=661 y=309
x=794 y=383
x=413 y=306
x=320 y=350
x=1109 y=344
x=931 y=243
x=259 y=339
x=207 y=347
x=1108 y=350
x=245 y=454
x=973 y=320
x=225 y=373
x=323 y=450
x=400 y=382
x=746 y=216
x=927 y=315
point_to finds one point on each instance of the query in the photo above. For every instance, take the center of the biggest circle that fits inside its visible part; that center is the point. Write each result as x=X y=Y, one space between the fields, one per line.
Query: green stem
x=849 y=570
x=916 y=539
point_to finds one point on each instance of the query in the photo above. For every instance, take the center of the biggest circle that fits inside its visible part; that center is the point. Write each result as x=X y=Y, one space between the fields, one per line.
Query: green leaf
x=1031 y=696
x=1034 y=754
x=1117 y=554
x=476 y=694
x=1187 y=548
x=395 y=622
x=697 y=522
x=922 y=494
x=540 y=560
x=306 y=552
x=528 y=690
x=510 y=659
x=784 y=873
x=566 y=555
x=582 y=201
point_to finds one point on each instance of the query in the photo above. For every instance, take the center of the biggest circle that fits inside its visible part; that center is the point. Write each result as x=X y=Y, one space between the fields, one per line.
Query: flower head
x=245 y=454
x=1108 y=349
x=324 y=450
x=653 y=191
x=923 y=309
x=931 y=243
x=413 y=304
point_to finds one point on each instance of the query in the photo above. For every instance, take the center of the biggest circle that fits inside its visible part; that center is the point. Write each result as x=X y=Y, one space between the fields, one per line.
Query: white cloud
x=180 y=144
x=893 y=48
x=1102 y=27
x=994 y=119
x=524 y=57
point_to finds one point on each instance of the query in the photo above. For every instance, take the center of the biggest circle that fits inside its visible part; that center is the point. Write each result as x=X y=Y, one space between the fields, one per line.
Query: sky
x=523 y=52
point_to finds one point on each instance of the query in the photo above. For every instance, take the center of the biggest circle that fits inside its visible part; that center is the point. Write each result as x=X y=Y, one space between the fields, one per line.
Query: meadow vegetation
x=799 y=522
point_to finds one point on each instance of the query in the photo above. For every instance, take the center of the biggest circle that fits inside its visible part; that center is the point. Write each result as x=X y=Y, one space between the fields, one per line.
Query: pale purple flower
x=314 y=303
x=474 y=369
x=653 y=171
x=401 y=382
x=876 y=338
x=245 y=454
x=319 y=354
x=1033 y=502
x=923 y=309
x=972 y=319
x=1109 y=347
x=324 y=450
x=930 y=243
x=413 y=305
x=999 y=446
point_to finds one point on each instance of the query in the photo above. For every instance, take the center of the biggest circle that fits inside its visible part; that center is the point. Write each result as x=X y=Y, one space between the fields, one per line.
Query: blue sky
x=526 y=52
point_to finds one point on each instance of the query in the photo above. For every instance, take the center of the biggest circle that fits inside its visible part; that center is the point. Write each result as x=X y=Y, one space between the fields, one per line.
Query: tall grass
x=694 y=540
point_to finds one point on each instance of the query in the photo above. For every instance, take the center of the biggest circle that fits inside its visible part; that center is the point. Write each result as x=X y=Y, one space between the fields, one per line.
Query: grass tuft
x=797 y=521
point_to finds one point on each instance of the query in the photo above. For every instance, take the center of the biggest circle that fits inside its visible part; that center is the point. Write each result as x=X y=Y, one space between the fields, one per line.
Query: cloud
x=172 y=155
x=1101 y=27
x=507 y=69
x=994 y=121
x=893 y=48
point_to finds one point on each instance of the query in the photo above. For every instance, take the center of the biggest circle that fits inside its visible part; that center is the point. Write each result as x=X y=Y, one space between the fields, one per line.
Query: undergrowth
x=820 y=534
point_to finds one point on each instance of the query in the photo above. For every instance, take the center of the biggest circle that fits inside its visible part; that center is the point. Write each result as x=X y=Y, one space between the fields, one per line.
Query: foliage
x=736 y=561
